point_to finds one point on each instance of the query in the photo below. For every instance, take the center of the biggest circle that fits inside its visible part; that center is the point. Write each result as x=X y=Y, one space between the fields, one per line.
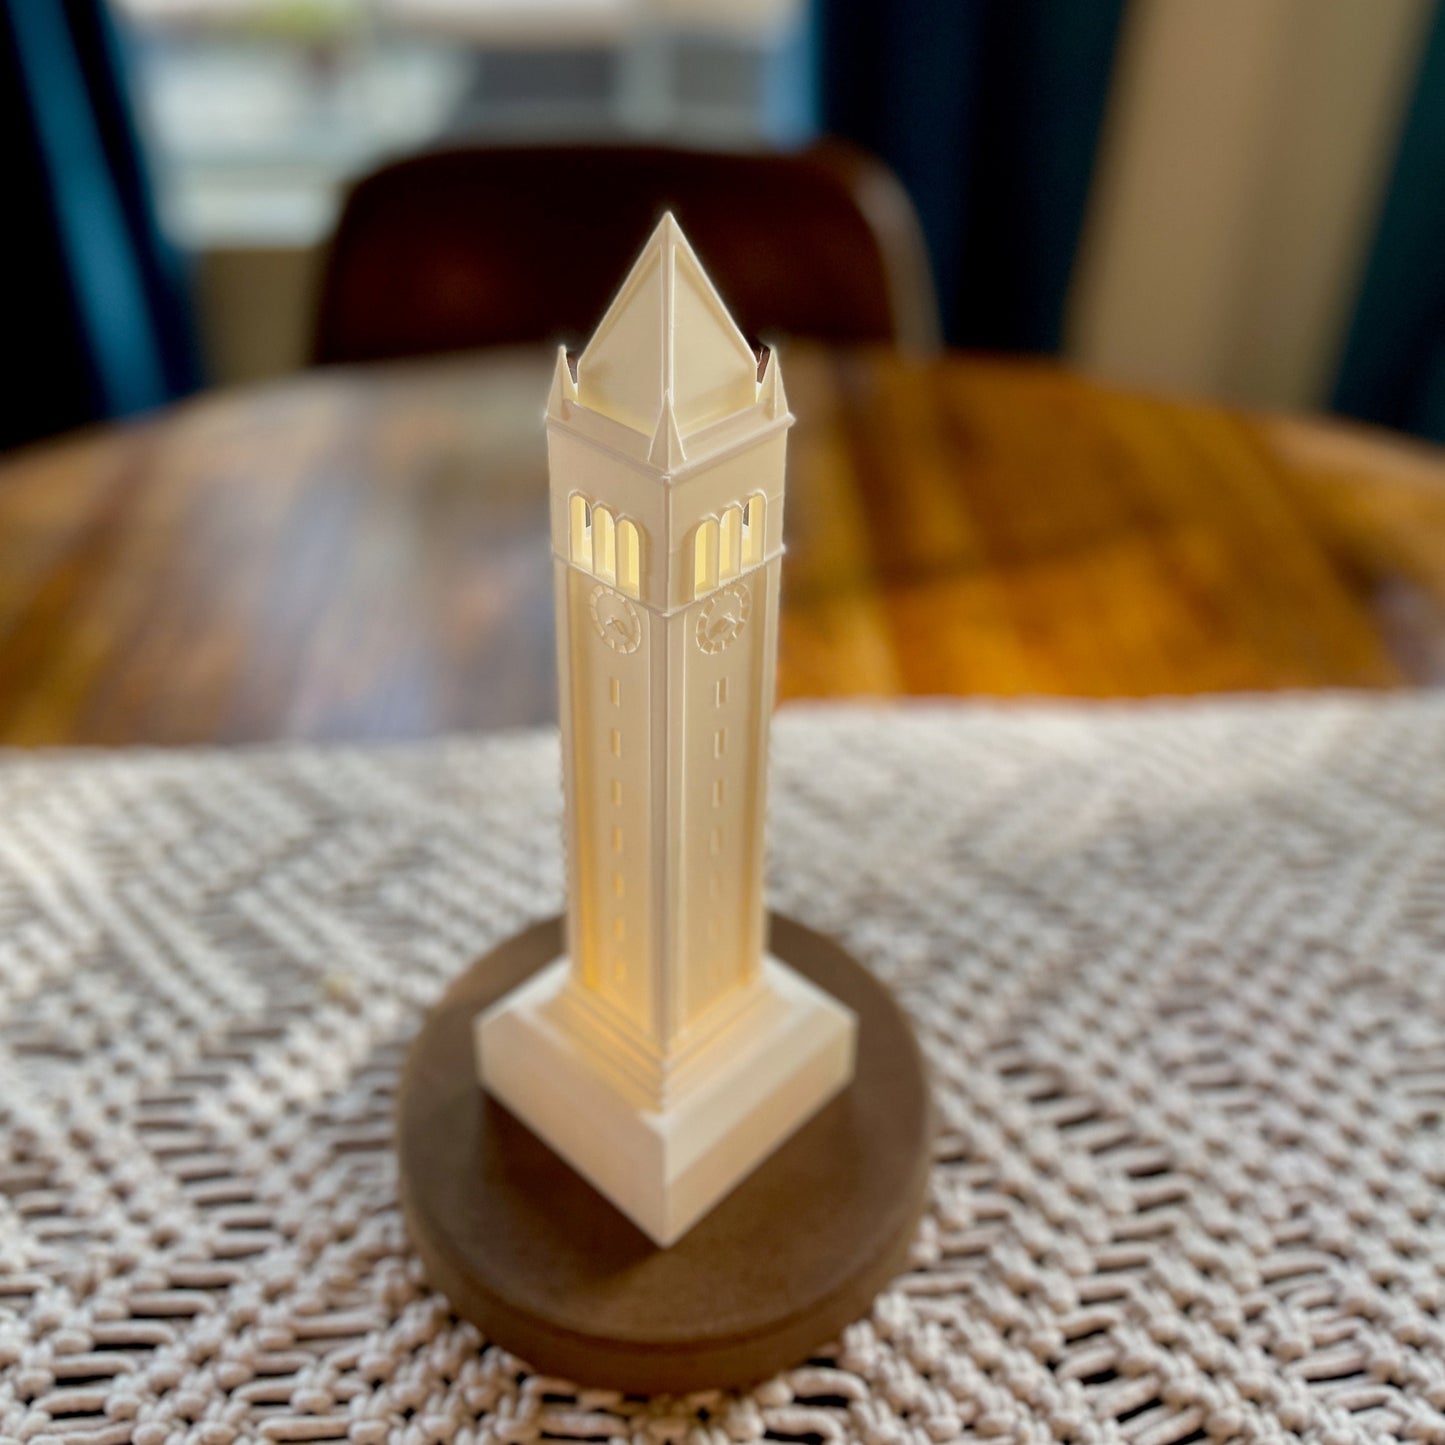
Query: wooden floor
x=364 y=554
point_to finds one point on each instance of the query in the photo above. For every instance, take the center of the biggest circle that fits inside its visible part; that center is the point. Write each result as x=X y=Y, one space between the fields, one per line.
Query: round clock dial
x=722 y=617
x=616 y=620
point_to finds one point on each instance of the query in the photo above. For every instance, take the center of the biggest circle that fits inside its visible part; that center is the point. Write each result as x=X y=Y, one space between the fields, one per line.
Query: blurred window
x=260 y=111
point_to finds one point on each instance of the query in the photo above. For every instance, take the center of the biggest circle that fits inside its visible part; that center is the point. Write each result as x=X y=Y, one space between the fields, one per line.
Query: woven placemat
x=1180 y=972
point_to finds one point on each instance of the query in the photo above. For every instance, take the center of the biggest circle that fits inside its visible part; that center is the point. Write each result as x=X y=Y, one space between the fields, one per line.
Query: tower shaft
x=666 y=803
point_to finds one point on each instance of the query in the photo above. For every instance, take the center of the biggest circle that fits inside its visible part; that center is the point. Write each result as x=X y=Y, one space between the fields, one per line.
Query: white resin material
x=664 y=1058
x=665 y=1168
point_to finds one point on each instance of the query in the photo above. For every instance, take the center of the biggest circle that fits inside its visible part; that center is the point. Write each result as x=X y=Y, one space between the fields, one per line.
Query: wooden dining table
x=363 y=554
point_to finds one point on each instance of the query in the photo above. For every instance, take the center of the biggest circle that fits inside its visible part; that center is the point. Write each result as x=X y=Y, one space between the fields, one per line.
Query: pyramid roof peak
x=667 y=340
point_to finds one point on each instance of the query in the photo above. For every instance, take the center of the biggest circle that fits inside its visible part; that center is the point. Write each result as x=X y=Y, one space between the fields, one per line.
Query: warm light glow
x=581 y=531
x=604 y=544
x=730 y=542
x=705 y=557
x=754 y=515
x=629 y=558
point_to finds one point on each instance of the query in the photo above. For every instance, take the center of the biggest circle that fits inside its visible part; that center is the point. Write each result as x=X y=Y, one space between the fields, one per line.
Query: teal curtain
x=1393 y=367
x=990 y=111
x=104 y=327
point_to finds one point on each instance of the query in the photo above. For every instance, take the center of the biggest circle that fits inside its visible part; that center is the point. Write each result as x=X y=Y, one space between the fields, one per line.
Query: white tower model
x=667 y=1054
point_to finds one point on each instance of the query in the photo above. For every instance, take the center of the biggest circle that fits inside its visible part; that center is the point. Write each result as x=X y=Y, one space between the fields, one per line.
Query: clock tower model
x=667 y=1054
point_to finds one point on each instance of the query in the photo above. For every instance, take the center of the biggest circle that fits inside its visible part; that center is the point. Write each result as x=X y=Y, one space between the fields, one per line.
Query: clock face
x=616 y=620
x=722 y=618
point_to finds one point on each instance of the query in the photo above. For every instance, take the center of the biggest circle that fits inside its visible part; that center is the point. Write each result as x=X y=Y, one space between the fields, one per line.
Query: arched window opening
x=754 y=515
x=581 y=531
x=730 y=542
x=604 y=544
x=704 y=553
x=629 y=558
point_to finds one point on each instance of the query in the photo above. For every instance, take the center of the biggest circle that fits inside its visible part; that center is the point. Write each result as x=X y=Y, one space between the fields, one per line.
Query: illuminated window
x=581 y=531
x=609 y=549
x=754 y=516
x=604 y=544
x=730 y=542
x=629 y=558
x=704 y=554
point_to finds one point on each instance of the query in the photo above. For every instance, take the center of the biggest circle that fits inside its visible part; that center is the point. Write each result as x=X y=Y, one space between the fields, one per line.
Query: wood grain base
x=546 y=1267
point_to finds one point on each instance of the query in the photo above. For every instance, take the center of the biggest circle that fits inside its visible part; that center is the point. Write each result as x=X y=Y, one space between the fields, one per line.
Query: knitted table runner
x=1180 y=972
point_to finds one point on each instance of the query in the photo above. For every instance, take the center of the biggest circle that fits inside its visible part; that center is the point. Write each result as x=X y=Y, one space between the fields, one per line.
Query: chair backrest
x=488 y=246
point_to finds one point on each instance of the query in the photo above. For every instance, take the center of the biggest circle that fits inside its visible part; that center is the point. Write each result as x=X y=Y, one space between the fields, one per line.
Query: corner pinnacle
x=666 y=452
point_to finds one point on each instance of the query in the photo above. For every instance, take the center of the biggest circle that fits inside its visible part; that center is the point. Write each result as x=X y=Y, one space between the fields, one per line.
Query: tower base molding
x=754 y=1082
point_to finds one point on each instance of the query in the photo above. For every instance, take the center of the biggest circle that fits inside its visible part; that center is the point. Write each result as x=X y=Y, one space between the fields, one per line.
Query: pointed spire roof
x=667 y=345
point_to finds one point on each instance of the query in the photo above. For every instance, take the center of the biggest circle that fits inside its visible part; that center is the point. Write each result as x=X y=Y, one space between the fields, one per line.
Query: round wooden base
x=547 y=1268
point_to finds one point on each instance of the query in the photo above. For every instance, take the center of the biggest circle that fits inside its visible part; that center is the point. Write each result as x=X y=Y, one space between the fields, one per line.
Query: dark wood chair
x=489 y=246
